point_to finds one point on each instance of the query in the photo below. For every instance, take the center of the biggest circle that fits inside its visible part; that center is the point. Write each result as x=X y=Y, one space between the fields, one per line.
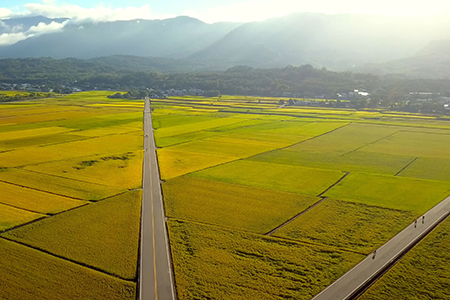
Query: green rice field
x=261 y=201
x=238 y=194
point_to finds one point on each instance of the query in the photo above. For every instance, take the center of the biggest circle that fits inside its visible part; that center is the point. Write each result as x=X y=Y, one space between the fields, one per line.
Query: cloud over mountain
x=99 y=13
x=17 y=33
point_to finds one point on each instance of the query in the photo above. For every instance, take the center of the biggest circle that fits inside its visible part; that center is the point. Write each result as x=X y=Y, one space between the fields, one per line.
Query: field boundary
x=281 y=148
x=67 y=259
x=371 y=143
x=25 y=209
x=407 y=166
x=334 y=184
x=24 y=224
x=275 y=237
x=39 y=190
x=45 y=216
x=295 y=217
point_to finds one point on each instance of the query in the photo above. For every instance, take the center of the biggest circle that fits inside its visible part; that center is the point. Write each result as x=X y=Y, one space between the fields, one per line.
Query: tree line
x=303 y=81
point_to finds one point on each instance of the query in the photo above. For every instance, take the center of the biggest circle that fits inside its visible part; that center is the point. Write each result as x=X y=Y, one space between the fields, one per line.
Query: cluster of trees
x=132 y=94
x=25 y=96
x=303 y=81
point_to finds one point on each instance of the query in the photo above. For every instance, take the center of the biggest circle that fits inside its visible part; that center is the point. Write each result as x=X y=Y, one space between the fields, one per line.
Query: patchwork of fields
x=262 y=202
x=267 y=203
x=70 y=198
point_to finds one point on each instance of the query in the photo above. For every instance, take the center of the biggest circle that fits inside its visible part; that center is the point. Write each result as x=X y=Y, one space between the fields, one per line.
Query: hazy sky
x=215 y=10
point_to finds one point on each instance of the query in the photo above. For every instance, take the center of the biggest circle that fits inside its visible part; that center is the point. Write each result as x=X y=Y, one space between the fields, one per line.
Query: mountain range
x=368 y=43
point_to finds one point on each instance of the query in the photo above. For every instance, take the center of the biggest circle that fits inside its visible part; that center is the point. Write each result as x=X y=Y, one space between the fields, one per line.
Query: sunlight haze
x=214 y=11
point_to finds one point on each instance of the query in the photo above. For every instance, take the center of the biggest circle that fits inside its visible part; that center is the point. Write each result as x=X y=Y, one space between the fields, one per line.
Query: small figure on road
x=415 y=224
x=374 y=254
x=423 y=219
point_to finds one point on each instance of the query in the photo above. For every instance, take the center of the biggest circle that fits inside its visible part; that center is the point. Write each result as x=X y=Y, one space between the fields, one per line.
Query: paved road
x=366 y=270
x=155 y=278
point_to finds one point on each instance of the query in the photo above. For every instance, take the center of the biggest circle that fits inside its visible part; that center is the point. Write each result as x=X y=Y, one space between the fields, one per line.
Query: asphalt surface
x=375 y=263
x=155 y=271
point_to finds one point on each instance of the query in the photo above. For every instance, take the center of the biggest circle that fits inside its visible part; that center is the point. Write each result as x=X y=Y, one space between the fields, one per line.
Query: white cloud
x=12 y=38
x=4 y=12
x=41 y=28
x=77 y=14
x=98 y=13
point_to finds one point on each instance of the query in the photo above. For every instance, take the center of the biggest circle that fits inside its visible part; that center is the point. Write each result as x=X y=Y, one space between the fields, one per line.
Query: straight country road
x=155 y=268
x=347 y=286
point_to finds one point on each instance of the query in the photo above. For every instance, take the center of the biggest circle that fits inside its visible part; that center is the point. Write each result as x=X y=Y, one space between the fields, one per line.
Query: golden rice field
x=216 y=263
x=63 y=186
x=104 y=235
x=30 y=274
x=233 y=170
x=421 y=274
x=122 y=170
x=11 y=217
x=37 y=201
x=70 y=198
x=370 y=174
x=235 y=206
x=347 y=225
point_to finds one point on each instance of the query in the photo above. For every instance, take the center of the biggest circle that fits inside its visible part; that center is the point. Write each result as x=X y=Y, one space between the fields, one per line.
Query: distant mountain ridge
x=337 y=42
x=173 y=38
x=432 y=61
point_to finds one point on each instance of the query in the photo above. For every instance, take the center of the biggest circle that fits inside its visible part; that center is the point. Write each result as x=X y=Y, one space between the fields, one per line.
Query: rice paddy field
x=270 y=202
x=262 y=201
x=70 y=197
x=421 y=274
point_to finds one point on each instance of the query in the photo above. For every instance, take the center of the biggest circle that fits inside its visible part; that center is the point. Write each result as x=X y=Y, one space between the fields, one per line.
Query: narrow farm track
x=355 y=281
x=155 y=267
